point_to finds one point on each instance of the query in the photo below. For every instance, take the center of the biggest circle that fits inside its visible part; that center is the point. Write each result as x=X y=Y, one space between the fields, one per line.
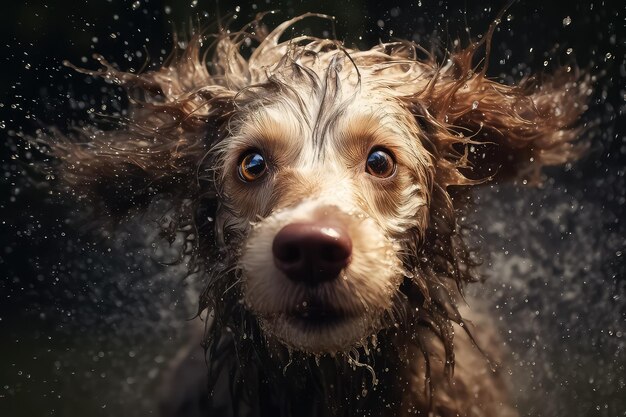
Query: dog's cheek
x=397 y=204
x=259 y=279
x=377 y=198
x=375 y=271
x=248 y=201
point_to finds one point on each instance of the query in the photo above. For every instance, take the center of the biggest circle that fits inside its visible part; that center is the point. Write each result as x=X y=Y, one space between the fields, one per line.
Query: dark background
x=88 y=320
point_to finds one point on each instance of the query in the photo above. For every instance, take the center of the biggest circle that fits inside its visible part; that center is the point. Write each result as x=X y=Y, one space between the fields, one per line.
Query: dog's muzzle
x=319 y=277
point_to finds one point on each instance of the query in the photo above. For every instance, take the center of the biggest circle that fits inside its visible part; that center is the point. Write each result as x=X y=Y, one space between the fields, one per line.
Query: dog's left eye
x=380 y=164
x=252 y=166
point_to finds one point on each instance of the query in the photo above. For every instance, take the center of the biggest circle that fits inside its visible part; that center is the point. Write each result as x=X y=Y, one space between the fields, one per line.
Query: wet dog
x=318 y=188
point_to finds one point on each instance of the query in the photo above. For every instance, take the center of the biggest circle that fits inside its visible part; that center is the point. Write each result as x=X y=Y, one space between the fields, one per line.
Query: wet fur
x=189 y=118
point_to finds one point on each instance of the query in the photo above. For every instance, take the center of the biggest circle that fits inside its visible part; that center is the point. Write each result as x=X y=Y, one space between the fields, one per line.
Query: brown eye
x=380 y=164
x=252 y=166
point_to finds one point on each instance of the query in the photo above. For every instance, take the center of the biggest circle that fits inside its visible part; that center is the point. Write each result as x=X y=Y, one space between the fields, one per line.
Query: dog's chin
x=320 y=332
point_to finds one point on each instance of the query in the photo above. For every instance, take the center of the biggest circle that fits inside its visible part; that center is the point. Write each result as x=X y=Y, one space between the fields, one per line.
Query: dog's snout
x=313 y=252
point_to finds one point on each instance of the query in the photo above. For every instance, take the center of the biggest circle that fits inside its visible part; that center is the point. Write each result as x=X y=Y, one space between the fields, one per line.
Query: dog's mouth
x=317 y=315
x=318 y=325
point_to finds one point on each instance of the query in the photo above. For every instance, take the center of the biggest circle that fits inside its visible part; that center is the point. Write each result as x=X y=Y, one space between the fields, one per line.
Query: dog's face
x=331 y=168
x=324 y=197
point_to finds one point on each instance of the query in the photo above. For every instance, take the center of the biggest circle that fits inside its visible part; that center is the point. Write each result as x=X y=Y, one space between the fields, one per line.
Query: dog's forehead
x=309 y=125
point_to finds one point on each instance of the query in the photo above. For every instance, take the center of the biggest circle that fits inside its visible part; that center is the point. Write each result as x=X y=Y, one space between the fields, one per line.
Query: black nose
x=312 y=253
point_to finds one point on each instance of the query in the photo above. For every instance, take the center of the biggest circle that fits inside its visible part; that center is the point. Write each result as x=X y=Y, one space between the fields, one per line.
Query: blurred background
x=89 y=320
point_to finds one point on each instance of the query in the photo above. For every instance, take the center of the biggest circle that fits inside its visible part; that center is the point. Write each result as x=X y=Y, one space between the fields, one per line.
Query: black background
x=89 y=320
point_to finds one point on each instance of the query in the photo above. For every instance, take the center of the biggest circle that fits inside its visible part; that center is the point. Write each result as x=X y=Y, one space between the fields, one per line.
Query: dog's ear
x=175 y=116
x=482 y=129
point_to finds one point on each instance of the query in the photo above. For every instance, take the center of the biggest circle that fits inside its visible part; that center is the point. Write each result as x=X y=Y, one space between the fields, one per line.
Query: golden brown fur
x=315 y=109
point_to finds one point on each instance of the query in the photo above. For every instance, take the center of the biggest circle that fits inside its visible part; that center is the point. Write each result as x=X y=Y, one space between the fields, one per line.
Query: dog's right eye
x=380 y=164
x=252 y=166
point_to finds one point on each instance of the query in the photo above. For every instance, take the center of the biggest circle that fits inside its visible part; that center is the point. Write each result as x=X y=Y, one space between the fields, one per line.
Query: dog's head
x=330 y=169
x=324 y=176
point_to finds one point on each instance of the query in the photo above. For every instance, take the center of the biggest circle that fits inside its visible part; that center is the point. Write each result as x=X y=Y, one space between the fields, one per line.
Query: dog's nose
x=312 y=253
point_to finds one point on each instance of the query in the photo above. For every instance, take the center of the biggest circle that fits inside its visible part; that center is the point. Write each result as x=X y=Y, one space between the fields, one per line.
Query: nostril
x=288 y=253
x=335 y=252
